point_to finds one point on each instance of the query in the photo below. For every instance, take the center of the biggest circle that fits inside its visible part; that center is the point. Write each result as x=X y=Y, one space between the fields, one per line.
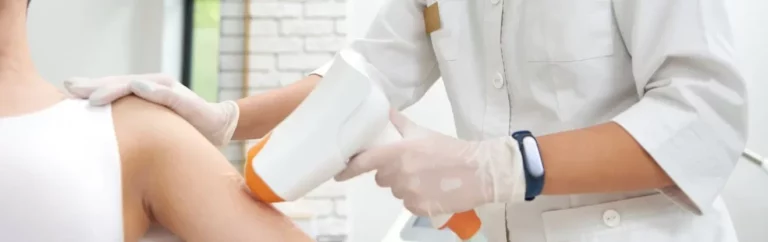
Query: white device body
x=345 y=113
x=340 y=117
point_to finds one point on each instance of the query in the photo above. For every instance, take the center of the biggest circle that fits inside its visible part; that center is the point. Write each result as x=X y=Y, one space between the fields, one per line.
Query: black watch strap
x=532 y=163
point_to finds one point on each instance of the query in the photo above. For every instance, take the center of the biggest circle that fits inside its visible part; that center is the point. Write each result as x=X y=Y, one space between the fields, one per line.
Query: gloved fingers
x=85 y=87
x=108 y=94
x=399 y=194
x=78 y=87
x=424 y=208
x=387 y=175
x=154 y=92
x=230 y=114
x=105 y=90
x=415 y=208
x=402 y=191
x=159 y=78
x=372 y=159
x=448 y=191
x=384 y=178
x=407 y=128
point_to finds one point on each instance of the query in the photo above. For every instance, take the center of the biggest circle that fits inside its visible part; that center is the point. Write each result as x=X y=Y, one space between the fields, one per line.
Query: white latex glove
x=436 y=174
x=216 y=121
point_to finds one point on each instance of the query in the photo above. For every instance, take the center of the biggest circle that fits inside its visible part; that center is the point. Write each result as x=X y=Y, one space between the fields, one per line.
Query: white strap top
x=60 y=175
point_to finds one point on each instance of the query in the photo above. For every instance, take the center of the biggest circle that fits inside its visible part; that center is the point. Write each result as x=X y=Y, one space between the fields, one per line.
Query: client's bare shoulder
x=144 y=128
x=183 y=182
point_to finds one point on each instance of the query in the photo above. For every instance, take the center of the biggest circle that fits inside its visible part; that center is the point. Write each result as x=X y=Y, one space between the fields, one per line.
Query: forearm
x=599 y=159
x=261 y=113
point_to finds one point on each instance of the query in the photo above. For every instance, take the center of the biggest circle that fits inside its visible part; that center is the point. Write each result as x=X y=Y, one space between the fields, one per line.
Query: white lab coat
x=664 y=70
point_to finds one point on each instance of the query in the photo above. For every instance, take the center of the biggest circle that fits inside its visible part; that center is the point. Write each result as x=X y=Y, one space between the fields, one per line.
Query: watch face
x=532 y=156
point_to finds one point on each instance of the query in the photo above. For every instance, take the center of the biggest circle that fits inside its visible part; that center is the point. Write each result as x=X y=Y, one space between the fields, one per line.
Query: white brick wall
x=289 y=38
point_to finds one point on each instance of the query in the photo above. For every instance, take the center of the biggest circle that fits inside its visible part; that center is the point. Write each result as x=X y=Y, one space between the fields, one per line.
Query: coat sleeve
x=396 y=53
x=692 y=117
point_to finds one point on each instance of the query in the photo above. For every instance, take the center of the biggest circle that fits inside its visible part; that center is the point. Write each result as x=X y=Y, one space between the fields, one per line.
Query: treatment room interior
x=289 y=38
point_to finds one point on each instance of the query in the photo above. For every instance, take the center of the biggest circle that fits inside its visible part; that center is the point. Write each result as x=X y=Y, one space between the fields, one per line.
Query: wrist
x=533 y=166
x=230 y=117
x=507 y=175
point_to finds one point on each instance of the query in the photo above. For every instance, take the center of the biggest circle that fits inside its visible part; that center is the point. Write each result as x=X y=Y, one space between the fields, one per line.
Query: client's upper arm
x=187 y=184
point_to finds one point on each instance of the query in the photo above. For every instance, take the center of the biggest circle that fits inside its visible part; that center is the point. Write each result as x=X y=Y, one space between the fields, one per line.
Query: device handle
x=465 y=224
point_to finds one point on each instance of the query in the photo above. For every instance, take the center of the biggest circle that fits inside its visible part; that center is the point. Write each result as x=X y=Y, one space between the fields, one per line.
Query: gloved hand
x=436 y=174
x=216 y=121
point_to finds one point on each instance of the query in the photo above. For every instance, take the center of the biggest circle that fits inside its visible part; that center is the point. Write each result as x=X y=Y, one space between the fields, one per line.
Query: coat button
x=611 y=218
x=498 y=82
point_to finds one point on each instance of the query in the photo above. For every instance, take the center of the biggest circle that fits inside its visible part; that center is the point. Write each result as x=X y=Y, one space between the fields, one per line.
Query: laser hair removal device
x=346 y=113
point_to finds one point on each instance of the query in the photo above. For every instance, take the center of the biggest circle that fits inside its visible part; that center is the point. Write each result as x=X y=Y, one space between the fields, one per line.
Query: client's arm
x=173 y=175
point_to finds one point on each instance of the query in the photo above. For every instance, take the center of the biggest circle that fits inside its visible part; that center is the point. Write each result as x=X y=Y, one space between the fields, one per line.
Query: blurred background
x=212 y=46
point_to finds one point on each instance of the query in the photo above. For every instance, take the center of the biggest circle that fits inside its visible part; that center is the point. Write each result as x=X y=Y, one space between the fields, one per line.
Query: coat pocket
x=567 y=30
x=649 y=218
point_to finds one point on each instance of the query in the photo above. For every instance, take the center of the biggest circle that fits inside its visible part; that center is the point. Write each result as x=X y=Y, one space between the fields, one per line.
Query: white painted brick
x=276 y=9
x=231 y=26
x=331 y=238
x=264 y=27
x=230 y=44
x=227 y=94
x=331 y=226
x=233 y=151
x=288 y=78
x=238 y=164
x=307 y=27
x=341 y=207
x=230 y=79
x=234 y=44
x=306 y=208
x=301 y=1
x=255 y=62
x=341 y=26
x=230 y=62
x=325 y=9
x=252 y=142
x=231 y=9
x=258 y=27
x=330 y=189
x=253 y=91
x=301 y=61
x=256 y=80
x=306 y=225
x=276 y=45
x=331 y=44
x=266 y=80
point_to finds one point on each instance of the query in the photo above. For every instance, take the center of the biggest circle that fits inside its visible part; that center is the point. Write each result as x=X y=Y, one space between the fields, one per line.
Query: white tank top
x=60 y=175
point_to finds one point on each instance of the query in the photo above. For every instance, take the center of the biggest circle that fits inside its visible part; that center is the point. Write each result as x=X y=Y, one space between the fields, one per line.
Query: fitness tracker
x=532 y=163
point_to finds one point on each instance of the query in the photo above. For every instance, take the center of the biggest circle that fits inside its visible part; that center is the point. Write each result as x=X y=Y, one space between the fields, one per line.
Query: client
x=72 y=172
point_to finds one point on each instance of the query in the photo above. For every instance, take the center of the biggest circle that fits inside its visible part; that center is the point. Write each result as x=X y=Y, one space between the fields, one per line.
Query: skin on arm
x=272 y=108
x=611 y=161
x=172 y=175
